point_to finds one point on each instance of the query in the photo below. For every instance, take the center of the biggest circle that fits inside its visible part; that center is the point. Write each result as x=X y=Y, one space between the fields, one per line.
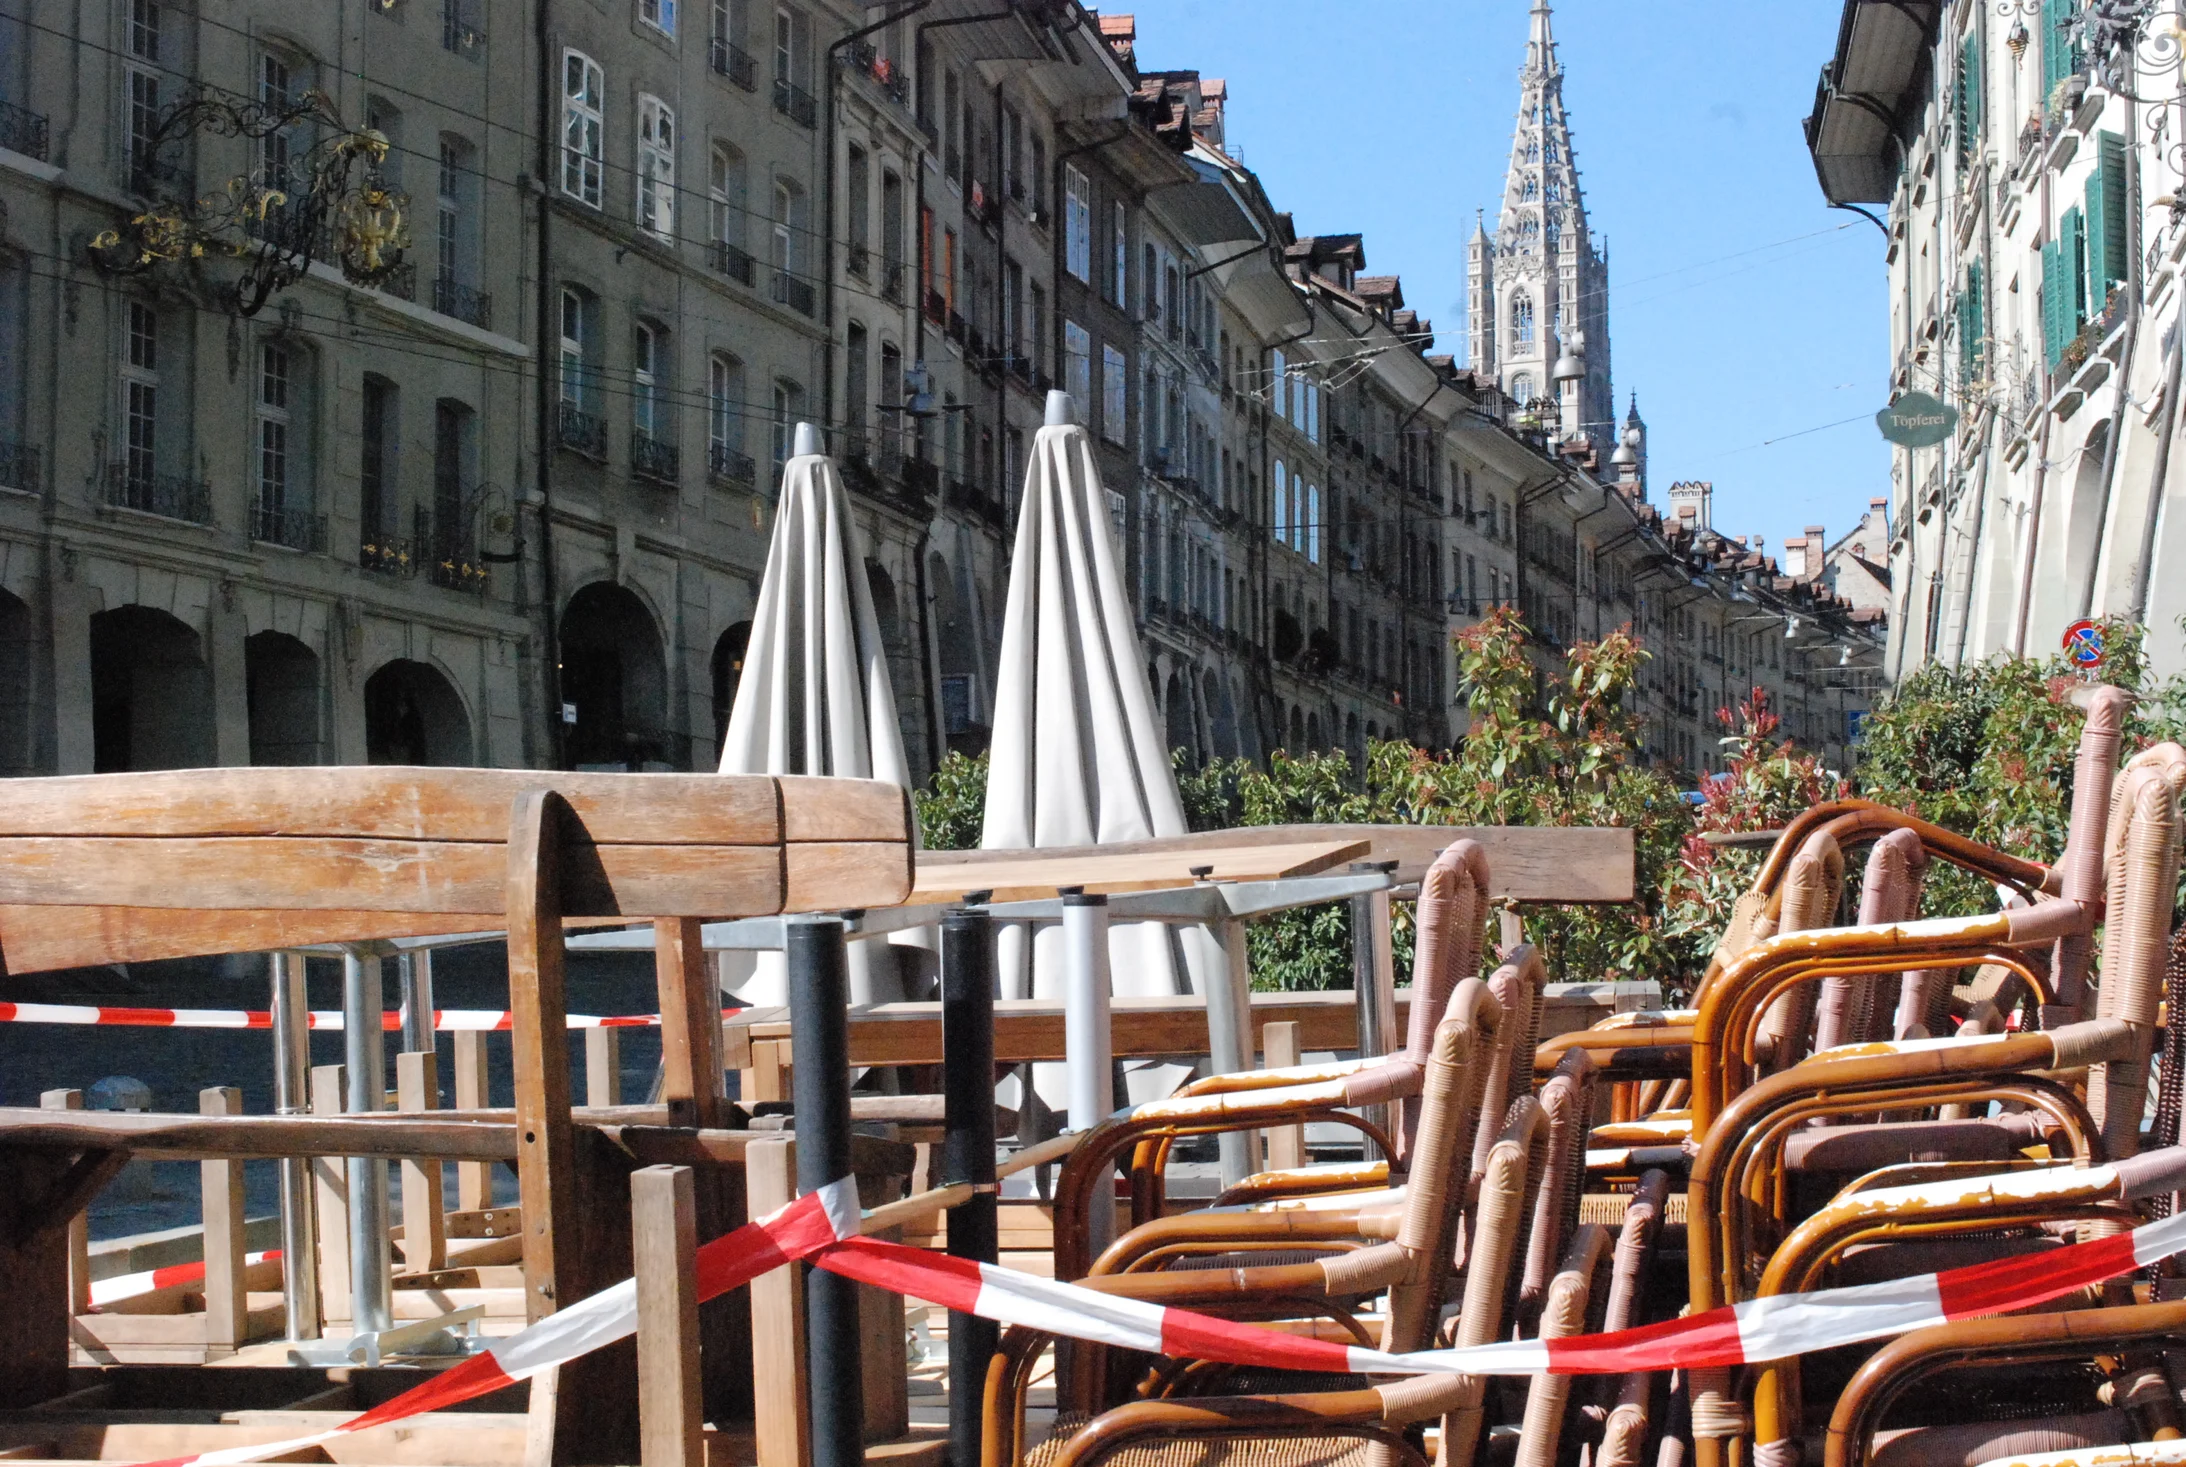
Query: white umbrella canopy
x=1077 y=756
x=815 y=696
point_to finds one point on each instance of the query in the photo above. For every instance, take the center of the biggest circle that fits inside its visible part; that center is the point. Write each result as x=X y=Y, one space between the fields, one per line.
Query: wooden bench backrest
x=124 y=867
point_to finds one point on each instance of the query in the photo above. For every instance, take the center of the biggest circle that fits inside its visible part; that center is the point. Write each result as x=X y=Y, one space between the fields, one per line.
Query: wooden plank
x=454 y=879
x=690 y=1024
x=408 y=803
x=330 y=1184
x=79 y=1226
x=780 y=1431
x=834 y=876
x=825 y=808
x=1032 y=1029
x=34 y=1318
x=221 y=1185
x=424 y=1221
x=1526 y=863
x=546 y=1161
x=1033 y=874
x=664 y=1247
x=1286 y=1144
x=473 y=1179
x=253 y=1137
x=603 y=1067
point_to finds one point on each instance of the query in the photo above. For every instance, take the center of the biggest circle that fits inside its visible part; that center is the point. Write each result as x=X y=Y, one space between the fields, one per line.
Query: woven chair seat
x=1274 y=1451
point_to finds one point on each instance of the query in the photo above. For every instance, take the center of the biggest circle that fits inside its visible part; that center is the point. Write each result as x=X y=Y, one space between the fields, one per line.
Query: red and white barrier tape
x=822 y=1227
x=444 y=1020
x=1757 y=1330
x=797 y=1231
x=151 y=1280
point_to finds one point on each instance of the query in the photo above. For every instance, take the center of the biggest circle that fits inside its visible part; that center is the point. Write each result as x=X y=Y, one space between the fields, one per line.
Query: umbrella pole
x=967 y=1155
x=1229 y=1032
x=819 y=1026
x=371 y=1284
x=1087 y=1039
x=1373 y=988
x=291 y=1097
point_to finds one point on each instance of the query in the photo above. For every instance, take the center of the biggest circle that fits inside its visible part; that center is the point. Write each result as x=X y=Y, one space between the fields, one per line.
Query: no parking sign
x=2084 y=644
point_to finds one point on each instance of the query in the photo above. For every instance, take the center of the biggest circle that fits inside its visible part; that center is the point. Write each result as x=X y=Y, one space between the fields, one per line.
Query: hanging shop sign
x=1917 y=420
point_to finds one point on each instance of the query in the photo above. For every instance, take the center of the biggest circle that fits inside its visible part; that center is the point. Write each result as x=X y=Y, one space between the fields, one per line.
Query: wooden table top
x=1030 y=875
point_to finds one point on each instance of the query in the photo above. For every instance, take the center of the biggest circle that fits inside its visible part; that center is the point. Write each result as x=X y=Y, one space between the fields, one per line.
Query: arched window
x=1530 y=190
x=1521 y=320
x=1282 y=504
x=1521 y=388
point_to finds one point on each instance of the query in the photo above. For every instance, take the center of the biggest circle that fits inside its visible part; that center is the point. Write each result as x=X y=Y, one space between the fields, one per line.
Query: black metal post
x=819 y=1027
x=967 y=1154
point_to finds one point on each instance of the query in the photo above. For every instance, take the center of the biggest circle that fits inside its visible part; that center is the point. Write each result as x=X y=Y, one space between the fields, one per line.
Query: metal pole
x=1373 y=982
x=1229 y=1036
x=370 y=1267
x=1086 y=1033
x=416 y=969
x=819 y=1028
x=292 y=1097
x=967 y=1155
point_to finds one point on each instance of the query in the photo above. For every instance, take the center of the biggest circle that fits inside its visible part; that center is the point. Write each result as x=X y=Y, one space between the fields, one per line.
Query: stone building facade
x=2025 y=166
x=511 y=504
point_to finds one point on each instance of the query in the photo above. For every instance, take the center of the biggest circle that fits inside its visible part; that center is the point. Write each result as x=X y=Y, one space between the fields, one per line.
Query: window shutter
x=2059 y=56
x=1969 y=94
x=2071 y=273
x=2052 y=301
x=2106 y=217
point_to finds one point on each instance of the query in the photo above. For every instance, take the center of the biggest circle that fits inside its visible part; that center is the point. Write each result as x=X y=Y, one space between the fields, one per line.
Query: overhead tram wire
x=703 y=196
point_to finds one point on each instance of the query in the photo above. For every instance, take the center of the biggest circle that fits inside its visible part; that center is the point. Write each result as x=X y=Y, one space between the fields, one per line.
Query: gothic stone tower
x=1538 y=289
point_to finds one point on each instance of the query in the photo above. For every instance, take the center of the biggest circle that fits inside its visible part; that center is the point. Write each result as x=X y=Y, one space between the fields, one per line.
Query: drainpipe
x=2034 y=513
x=549 y=632
x=827 y=197
x=2145 y=562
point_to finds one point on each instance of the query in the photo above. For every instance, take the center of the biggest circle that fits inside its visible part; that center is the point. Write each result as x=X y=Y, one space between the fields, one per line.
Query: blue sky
x=1742 y=309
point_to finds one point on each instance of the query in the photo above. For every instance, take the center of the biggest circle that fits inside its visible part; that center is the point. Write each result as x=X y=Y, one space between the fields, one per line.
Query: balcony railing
x=734 y=262
x=449 y=551
x=462 y=302
x=737 y=65
x=582 y=432
x=654 y=458
x=19 y=468
x=796 y=293
x=292 y=529
x=891 y=280
x=857 y=259
x=795 y=103
x=174 y=496
x=387 y=555
x=885 y=73
x=726 y=462
x=23 y=131
x=401 y=282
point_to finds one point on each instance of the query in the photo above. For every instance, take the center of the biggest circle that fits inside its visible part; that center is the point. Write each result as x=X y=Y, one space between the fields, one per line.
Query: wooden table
x=1014 y=876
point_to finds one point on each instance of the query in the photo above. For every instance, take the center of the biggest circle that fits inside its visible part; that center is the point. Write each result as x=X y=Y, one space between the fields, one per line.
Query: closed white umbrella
x=1077 y=756
x=815 y=696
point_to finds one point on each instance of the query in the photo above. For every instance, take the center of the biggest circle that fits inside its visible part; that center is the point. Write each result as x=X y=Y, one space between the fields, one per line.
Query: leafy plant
x=953 y=806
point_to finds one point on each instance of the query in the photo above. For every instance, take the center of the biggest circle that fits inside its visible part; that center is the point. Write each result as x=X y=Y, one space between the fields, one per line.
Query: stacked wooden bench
x=124 y=868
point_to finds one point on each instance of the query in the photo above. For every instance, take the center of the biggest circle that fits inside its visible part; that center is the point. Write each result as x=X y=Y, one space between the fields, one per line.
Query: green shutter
x=2060 y=56
x=2072 y=271
x=1969 y=94
x=2053 y=292
x=2106 y=219
x=1972 y=320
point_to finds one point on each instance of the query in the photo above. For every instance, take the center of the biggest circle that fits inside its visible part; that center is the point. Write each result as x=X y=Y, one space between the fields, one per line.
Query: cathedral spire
x=1541 y=46
x=1539 y=286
